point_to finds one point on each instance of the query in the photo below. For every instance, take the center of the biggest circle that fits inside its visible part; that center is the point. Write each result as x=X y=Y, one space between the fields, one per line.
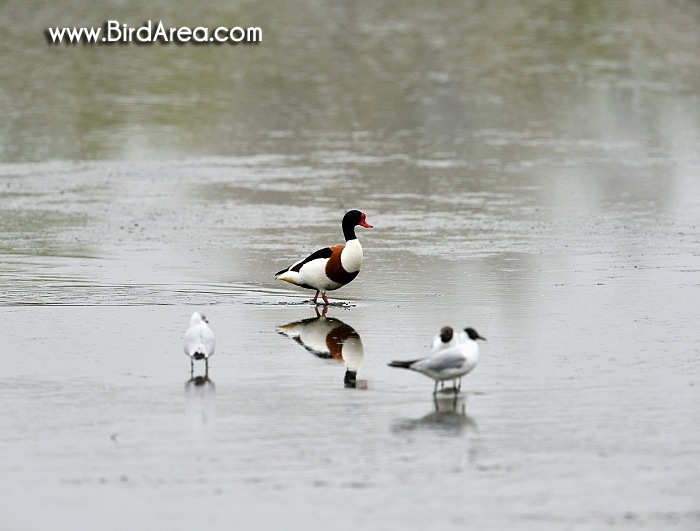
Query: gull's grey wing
x=446 y=360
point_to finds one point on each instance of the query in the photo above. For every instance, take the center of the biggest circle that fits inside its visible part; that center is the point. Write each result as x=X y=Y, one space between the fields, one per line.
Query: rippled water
x=532 y=173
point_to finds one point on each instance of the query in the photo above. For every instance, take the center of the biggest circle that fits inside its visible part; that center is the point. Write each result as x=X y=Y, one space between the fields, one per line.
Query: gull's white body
x=199 y=339
x=447 y=362
x=452 y=362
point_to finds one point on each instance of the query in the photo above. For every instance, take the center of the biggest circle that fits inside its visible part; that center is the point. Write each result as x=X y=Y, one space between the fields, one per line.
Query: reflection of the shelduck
x=449 y=417
x=330 y=338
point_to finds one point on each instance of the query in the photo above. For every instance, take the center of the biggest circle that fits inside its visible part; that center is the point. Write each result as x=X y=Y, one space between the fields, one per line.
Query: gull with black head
x=450 y=363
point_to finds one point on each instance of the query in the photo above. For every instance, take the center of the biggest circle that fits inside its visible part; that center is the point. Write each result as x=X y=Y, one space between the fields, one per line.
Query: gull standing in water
x=449 y=363
x=199 y=340
x=446 y=338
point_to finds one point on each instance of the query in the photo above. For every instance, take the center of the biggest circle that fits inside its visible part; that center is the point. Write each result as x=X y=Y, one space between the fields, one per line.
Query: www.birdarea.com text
x=115 y=32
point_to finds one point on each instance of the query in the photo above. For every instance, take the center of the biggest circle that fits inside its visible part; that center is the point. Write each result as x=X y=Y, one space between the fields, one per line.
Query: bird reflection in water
x=330 y=338
x=449 y=417
x=200 y=396
x=200 y=381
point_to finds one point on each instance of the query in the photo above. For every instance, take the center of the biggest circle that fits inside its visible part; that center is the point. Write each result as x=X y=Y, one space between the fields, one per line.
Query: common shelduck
x=450 y=363
x=199 y=340
x=331 y=267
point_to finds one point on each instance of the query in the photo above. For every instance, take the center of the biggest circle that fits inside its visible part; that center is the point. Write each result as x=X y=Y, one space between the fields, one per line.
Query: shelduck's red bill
x=364 y=223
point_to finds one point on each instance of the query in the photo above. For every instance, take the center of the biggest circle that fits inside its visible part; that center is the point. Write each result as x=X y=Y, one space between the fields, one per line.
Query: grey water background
x=531 y=170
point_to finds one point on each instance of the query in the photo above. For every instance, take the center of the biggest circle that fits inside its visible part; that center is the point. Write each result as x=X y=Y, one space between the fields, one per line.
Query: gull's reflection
x=200 y=395
x=448 y=417
x=202 y=381
x=330 y=338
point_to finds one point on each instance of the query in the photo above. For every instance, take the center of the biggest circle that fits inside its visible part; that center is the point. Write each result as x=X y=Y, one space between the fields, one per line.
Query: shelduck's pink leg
x=316 y=296
x=325 y=299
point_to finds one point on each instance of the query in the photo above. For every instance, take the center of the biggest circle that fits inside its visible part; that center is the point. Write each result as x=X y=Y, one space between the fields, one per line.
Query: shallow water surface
x=582 y=405
x=532 y=174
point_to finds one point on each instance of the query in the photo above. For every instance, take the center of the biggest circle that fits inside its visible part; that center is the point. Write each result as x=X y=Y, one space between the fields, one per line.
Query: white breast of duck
x=340 y=268
x=351 y=256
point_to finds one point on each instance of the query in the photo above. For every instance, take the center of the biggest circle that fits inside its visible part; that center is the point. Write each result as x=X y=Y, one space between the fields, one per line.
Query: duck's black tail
x=198 y=355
